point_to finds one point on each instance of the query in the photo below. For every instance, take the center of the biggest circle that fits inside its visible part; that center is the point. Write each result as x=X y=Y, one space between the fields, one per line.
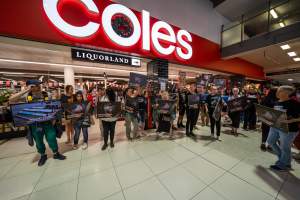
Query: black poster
x=136 y=80
x=272 y=117
x=101 y=57
x=30 y=113
x=166 y=106
x=131 y=105
x=107 y=109
x=237 y=104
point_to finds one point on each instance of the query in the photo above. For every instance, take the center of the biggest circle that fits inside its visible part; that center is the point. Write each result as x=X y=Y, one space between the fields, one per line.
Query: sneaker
x=112 y=145
x=84 y=146
x=218 y=138
x=42 y=160
x=104 y=147
x=289 y=167
x=59 y=156
x=75 y=147
x=192 y=134
x=263 y=147
x=276 y=168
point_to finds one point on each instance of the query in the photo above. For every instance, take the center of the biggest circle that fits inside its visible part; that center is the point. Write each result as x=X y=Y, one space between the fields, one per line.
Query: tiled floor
x=183 y=169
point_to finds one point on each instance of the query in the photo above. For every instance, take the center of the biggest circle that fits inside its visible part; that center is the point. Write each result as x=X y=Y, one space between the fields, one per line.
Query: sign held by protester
x=108 y=109
x=272 y=117
x=137 y=80
x=237 y=104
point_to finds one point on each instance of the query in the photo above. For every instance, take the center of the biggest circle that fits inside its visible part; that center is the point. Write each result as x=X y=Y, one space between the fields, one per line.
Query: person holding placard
x=67 y=100
x=131 y=116
x=109 y=124
x=292 y=109
x=234 y=115
x=191 y=111
x=214 y=104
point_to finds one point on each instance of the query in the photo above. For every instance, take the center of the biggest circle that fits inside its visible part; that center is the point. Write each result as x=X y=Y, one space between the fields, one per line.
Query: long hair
x=111 y=95
x=79 y=93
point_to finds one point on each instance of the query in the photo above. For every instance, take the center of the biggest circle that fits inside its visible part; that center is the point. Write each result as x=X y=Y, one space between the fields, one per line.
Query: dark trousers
x=235 y=118
x=191 y=115
x=264 y=132
x=250 y=119
x=109 y=131
x=214 y=123
x=77 y=130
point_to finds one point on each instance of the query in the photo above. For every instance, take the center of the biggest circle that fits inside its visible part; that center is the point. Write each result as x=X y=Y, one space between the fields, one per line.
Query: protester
x=191 y=112
x=100 y=96
x=39 y=130
x=250 y=111
x=142 y=109
x=131 y=114
x=181 y=107
x=67 y=100
x=82 y=121
x=214 y=105
x=235 y=115
x=109 y=124
x=292 y=109
x=270 y=100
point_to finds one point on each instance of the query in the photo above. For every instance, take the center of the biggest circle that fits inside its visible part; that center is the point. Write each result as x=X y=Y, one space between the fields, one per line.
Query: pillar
x=69 y=76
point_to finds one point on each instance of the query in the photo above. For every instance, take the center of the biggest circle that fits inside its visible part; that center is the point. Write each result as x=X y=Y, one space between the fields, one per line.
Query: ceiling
x=274 y=59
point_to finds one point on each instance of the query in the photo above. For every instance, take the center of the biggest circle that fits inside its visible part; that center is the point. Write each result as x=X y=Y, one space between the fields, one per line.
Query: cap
x=33 y=82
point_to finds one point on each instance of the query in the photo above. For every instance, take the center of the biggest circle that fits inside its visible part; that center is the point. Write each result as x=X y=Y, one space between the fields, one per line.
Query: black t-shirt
x=212 y=101
x=292 y=108
x=142 y=102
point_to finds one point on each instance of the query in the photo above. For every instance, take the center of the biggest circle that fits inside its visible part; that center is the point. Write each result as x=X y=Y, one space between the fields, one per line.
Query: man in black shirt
x=213 y=101
x=181 y=107
x=191 y=112
x=292 y=109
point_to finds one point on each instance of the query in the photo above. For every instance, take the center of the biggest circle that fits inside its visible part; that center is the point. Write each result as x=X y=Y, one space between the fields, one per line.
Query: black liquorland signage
x=102 y=57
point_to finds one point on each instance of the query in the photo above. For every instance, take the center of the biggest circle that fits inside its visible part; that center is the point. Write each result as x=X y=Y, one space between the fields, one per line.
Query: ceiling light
x=297 y=59
x=281 y=24
x=292 y=54
x=274 y=14
x=285 y=47
x=290 y=79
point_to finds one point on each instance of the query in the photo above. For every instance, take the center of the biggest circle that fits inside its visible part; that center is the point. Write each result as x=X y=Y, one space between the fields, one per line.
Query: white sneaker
x=75 y=147
x=84 y=146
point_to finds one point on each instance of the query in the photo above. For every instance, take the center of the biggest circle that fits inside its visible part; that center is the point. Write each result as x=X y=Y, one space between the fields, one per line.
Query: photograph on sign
x=207 y=77
x=166 y=106
x=272 y=117
x=131 y=105
x=108 y=109
x=137 y=80
x=29 y=113
x=237 y=104
x=220 y=82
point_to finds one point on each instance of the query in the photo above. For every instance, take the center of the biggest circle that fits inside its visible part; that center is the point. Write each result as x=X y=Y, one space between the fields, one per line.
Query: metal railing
x=275 y=16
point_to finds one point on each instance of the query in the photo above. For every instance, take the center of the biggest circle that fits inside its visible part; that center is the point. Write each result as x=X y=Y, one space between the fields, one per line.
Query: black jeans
x=265 y=132
x=214 y=123
x=109 y=131
x=191 y=115
x=250 y=119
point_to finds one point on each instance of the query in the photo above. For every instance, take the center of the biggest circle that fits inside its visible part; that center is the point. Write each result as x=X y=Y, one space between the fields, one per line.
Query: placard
x=237 y=104
x=207 y=77
x=131 y=105
x=137 y=80
x=166 y=106
x=200 y=82
x=108 y=109
x=272 y=117
x=220 y=82
x=24 y=114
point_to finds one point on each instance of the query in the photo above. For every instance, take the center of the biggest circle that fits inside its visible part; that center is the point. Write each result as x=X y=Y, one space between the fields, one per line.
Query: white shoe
x=84 y=146
x=296 y=156
x=75 y=147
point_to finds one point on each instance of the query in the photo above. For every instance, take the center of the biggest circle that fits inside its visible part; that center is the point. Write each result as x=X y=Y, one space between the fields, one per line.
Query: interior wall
x=196 y=16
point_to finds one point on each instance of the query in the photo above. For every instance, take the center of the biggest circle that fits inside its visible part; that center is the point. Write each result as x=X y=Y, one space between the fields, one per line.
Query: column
x=69 y=76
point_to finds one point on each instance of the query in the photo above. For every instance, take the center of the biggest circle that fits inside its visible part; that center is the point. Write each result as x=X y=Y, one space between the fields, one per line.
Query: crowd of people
x=211 y=106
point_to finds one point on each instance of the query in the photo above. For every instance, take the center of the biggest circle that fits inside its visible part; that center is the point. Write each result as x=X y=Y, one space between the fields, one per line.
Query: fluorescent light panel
x=292 y=54
x=281 y=24
x=297 y=59
x=285 y=47
x=274 y=14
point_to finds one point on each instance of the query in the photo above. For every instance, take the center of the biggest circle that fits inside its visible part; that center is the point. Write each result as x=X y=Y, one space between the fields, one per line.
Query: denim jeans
x=131 y=119
x=77 y=130
x=283 y=151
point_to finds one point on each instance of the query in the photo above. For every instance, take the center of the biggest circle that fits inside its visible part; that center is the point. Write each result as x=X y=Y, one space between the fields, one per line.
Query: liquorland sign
x=123 y=28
